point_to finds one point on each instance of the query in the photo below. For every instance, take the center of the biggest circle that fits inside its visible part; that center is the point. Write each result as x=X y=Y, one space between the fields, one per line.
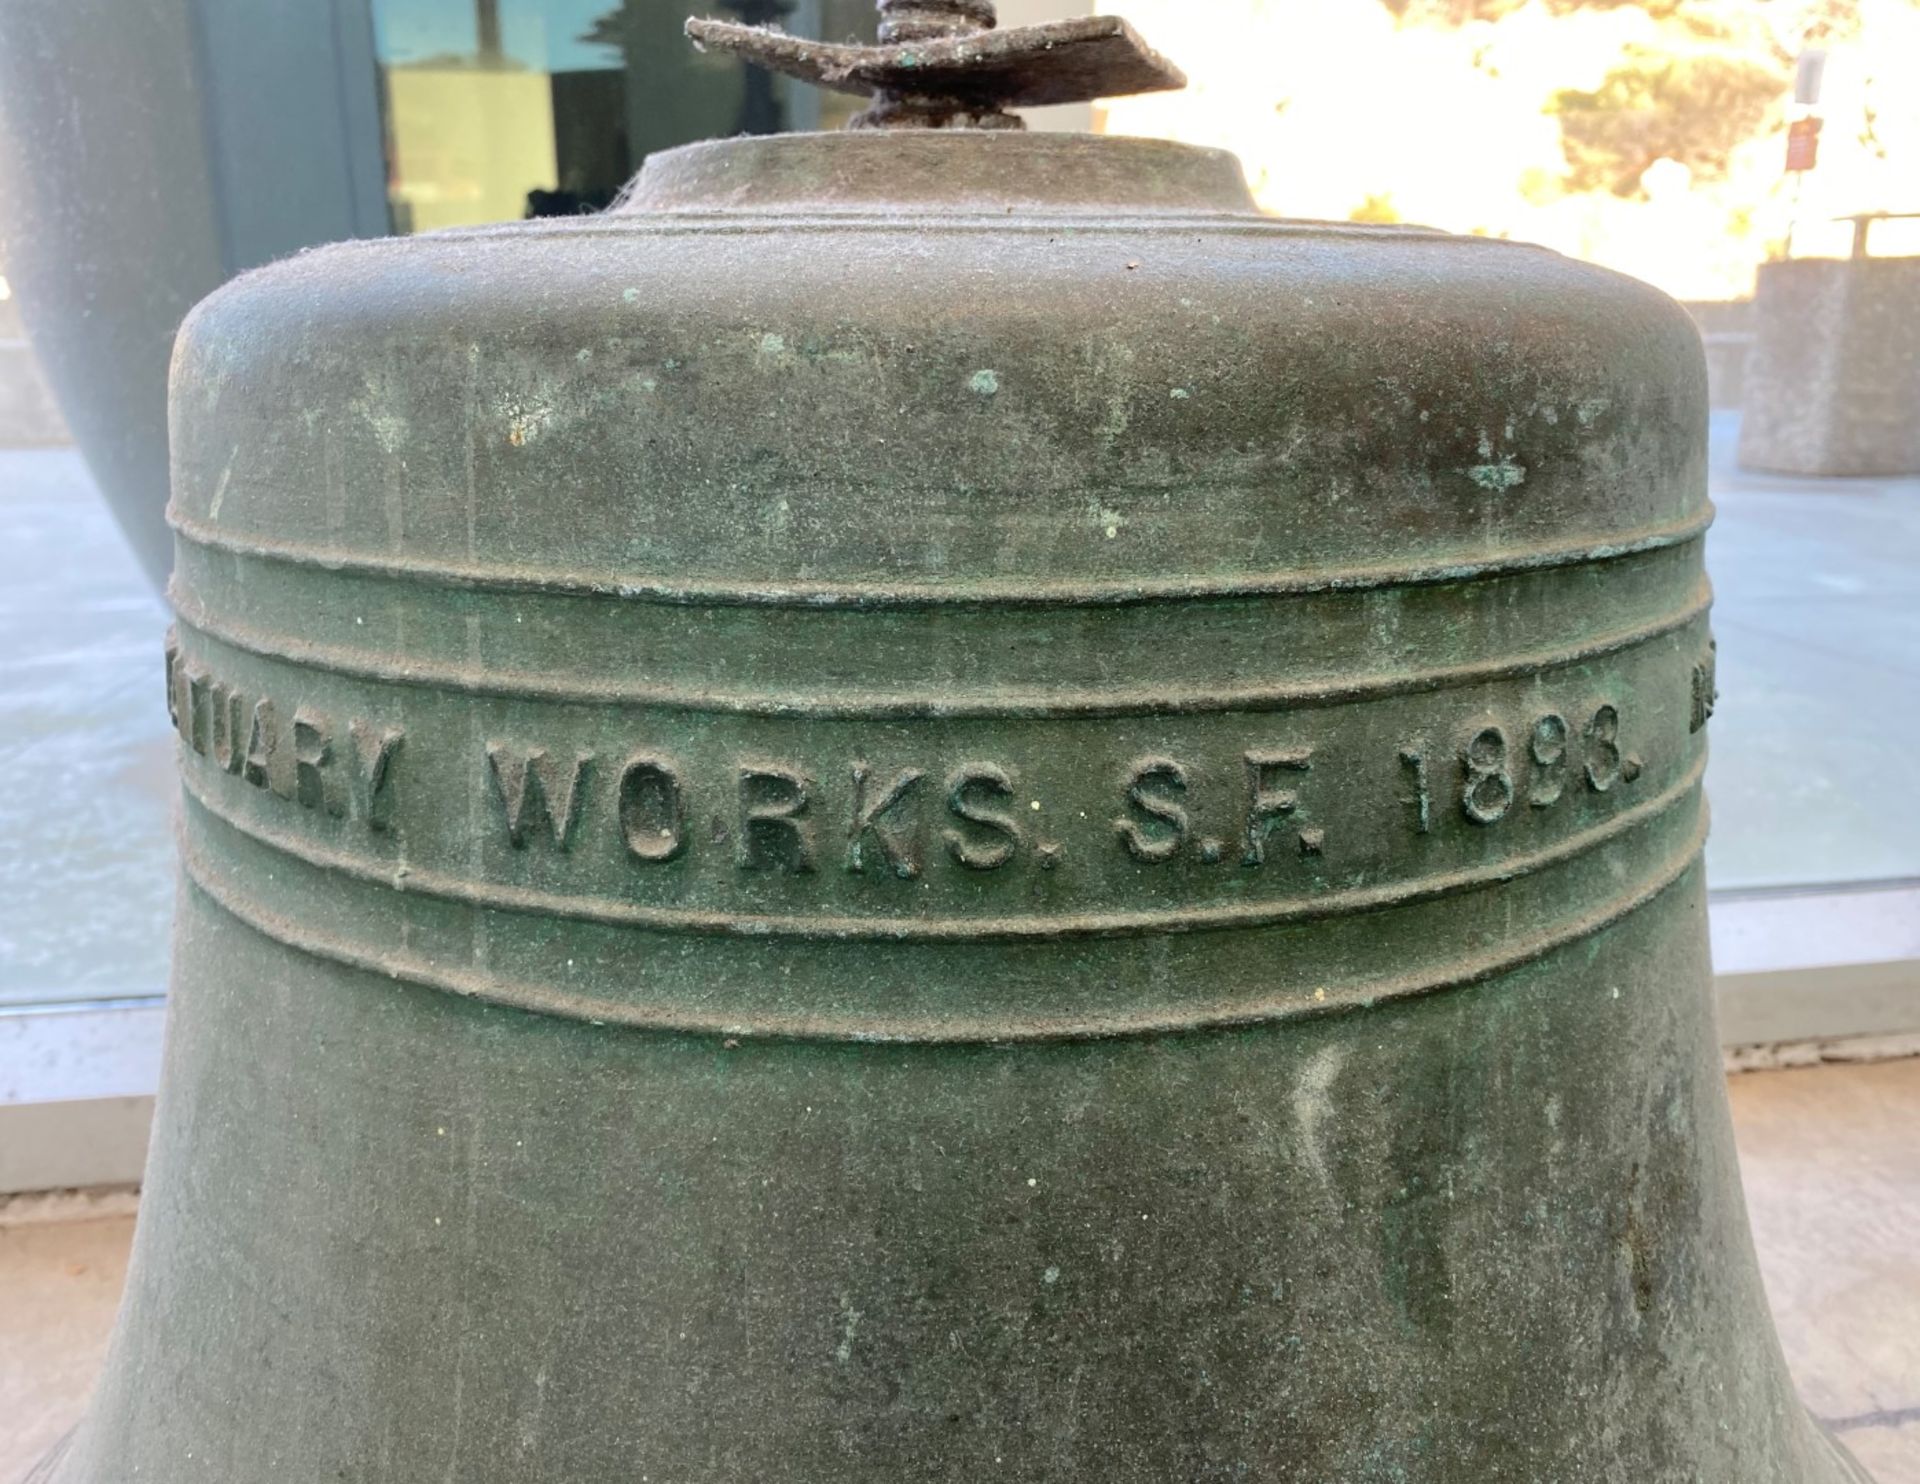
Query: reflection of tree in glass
x=1715 y=77
x=1695 y=110
x=1809 y=21
x=1377 y=207
x=1462 y=12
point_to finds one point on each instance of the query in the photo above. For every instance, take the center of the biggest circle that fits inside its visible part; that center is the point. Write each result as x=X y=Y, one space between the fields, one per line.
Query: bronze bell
x=934 y=805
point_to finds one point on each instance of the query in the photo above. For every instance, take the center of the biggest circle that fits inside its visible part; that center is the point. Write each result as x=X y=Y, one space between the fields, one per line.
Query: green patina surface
x=769 y=902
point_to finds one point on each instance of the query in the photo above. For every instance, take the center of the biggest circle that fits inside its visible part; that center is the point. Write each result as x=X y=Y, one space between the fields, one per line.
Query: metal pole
x=486 y=25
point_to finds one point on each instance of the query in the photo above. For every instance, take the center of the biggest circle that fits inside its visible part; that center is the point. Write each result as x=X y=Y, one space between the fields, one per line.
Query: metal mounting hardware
x=942 y=64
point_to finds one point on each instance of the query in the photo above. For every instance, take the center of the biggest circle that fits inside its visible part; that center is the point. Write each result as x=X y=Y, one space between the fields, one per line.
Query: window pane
x=86 y=877
x=496 y=110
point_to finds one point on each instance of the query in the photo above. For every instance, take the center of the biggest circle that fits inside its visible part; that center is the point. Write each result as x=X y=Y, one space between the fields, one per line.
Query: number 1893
x=1494 y=771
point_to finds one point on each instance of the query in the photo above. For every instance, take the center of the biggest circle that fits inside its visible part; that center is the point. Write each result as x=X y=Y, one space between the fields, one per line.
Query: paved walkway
x=1817 y=611
x=86 y=874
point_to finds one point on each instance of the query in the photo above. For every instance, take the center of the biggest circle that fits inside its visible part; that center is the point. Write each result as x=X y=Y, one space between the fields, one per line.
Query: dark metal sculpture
x=936 y=806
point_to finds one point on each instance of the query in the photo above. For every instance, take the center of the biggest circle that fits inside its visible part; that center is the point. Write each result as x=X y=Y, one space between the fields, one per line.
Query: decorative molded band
x=1007 y=703
x=745 y=221
x=445 y=886
x=1225 y=1012
x=976 y=592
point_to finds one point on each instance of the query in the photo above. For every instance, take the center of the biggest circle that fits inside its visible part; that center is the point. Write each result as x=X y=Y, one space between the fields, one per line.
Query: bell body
x=942 y=809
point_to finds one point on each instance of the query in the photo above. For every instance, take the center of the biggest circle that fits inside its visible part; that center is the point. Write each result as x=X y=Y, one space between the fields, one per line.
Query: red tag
x=1803 y=144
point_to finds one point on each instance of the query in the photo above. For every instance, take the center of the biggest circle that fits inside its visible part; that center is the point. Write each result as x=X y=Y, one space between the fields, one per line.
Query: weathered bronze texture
x=942 y=64
x=939 y=807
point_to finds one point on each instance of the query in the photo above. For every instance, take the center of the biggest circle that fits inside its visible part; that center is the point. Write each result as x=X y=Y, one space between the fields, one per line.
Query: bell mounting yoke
x=942 y=64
